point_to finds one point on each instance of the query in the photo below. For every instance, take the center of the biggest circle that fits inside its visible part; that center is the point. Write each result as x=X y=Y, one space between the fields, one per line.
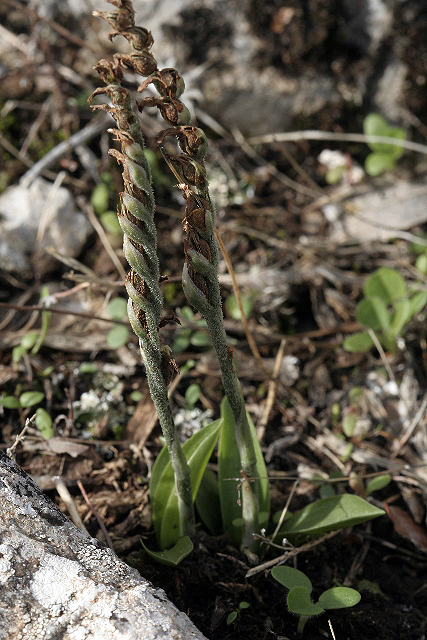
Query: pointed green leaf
x=377 y=483
x=402 y=315
x=172 y=557
x=30 y=398
x=197 y=450
x=229 y=467
x=339 y=598
x=328 y=514
x=207 y=503
x=299 y=602
x=417 y=302
x=290 y=577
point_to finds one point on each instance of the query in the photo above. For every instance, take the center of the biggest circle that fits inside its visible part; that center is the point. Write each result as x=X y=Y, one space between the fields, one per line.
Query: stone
x=57 y=582
x=37 y=217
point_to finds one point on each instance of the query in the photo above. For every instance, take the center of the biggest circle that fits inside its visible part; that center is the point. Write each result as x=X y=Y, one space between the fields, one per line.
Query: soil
x=311 y=289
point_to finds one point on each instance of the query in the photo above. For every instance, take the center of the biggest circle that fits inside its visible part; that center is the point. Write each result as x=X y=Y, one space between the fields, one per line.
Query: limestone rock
x=57 y=583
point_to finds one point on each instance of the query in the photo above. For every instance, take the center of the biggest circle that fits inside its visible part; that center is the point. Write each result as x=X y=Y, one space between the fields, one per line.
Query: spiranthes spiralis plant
x=200 y=273
x=136 y=217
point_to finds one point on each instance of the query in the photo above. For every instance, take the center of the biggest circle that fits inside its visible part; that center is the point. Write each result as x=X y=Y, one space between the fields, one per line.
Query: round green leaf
x=299 y=602
x=30 y=398
x=421 y=263
x=117 y=308
x=44 y=423
x=387 y=284
x=339 y=598
x=376 y=163
x=117 y=336
x=290 y=577
x=110 y=222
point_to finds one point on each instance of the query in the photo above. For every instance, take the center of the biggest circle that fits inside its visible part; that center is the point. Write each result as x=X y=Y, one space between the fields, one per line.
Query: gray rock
x=34 y=218
x=58 y=583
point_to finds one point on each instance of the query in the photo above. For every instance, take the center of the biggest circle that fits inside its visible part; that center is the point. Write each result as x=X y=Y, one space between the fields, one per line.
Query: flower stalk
x=200 y=272
x=136 y=217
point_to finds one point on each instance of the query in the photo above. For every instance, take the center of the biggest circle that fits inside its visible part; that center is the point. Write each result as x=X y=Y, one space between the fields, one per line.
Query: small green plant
x=24 y=401
x=235 y=615
x=389 y=304
x=384 y=155
x=299 y=597
x=187 y=335
x=239 y=497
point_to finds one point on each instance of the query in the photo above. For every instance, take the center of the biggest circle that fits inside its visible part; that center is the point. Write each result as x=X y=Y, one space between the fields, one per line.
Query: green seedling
x=188 y=336
x=119 y=334
x=235 y=615
x=247 y=305
x=26 y=400
x=299 y=597
x=384 y=155
x=192 y=395
x=388 y=306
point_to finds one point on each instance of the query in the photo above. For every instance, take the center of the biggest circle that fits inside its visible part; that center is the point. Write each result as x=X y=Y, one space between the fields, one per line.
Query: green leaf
x=29 y=340
x=9 y=402
x=30 y=398
x=172 y=557
x=110 y=222
x=339 y=598
x=207 y=503
x=421 y=263
x=417 y=302
x=373 y=313
x=197 y=450
x=99 y=198
x=229 y=466
x=117 y=308
x=200 y=339
x=182 y=341
x=349 y=423
x=402 y=315
x=231 y=617
x=387 y=284
x=299 y=602
x=375 y=125
x=377 y=483
x=290 y=577
x=192 y=394
x=18 y=352
x=247 y=305
x=44 y=423
x=328 y=514
x=359 y=341
x=376 y=163
x=117 y=336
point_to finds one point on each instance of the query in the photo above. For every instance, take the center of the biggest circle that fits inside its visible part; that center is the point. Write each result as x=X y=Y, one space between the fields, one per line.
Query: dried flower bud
x=169 y=83
x=143 y=62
